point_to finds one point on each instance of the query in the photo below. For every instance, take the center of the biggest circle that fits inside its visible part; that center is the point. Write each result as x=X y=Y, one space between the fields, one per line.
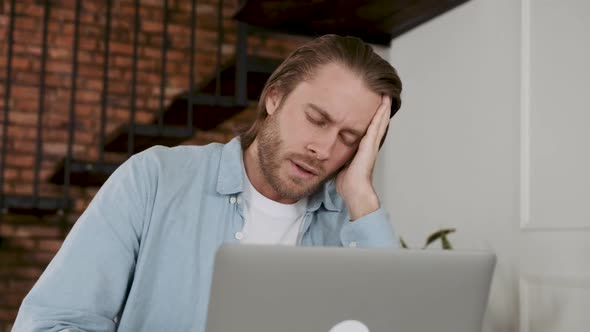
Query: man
x=140 y=257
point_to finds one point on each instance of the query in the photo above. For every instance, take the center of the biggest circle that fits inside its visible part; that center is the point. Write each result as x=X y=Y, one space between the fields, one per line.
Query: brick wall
x=30 y=242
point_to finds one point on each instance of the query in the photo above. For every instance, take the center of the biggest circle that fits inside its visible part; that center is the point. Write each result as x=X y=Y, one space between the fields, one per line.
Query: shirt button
x=239 y=200
x=232 y=200
x=239 y=236
x=353 y=244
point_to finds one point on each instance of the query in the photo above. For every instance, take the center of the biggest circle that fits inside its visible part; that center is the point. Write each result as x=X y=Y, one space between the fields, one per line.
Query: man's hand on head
x=355 y=182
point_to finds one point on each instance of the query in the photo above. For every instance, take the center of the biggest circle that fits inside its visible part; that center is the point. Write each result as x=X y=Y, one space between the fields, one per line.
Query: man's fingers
x=378 y=124
x=383 y=118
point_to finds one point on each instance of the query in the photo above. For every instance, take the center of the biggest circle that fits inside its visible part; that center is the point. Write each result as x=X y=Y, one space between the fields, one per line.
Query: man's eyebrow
x=321 y=111
x=329 y=119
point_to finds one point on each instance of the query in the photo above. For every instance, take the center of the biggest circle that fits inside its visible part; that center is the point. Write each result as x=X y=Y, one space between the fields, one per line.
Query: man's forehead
x=342 y=94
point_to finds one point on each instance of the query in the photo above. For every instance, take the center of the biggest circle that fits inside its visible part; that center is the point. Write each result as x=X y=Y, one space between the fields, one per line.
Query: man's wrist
x=364 y=202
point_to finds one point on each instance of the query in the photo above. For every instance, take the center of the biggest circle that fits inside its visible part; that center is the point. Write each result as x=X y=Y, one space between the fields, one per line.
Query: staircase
x=179 y=121
x=228 y=89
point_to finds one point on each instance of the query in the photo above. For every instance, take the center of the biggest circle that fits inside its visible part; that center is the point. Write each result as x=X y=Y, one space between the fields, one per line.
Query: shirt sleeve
x=371 y=231
x=85 y=286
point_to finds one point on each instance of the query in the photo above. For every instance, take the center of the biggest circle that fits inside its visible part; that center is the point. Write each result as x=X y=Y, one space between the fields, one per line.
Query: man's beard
x=270 y=157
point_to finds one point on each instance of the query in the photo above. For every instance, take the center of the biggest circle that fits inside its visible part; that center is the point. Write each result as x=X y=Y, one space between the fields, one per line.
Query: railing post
x=72 y=115
x=189 y=114
x=39 y=148
x=163 y=67
x=242 y=65
x=220 y=36
x=7 y=86
x=105 y=81
x=133 y=102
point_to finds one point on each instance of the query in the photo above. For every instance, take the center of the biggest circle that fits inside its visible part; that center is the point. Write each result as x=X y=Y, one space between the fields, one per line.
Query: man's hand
x=355 y=182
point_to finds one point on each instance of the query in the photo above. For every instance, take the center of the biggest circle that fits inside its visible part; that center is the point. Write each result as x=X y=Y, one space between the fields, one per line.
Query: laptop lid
x=280 y=288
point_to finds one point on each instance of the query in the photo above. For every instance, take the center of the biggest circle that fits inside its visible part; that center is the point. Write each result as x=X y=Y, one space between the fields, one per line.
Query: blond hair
x=379 y=76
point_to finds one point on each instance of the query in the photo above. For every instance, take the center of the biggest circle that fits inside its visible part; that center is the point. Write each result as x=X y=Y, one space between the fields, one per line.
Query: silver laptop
x=313 y=289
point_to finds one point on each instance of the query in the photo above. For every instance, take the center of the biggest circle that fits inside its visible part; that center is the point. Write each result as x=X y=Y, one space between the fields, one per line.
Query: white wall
x=452 y=156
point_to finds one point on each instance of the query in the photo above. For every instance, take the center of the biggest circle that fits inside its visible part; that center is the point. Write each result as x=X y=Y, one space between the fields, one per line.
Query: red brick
x=59 y=67
x=11 y=300
x=31 y=231
x=89 y=110
x=24 y=272
x=10 y=258
x=27 y=175
x=51 y=134
x=38 y=258
x=120 y=48
x=24 y=94
x=177 y=55
x=118 y=88
x=90 y=84
x=9 y=175
x=26 y=50
x=60 y=41
x=179 y=29
x=61 y=149
x=19 y=243
x=20 y=160
x=8 y=314
x=57 y=80
x=59 y=27
x=60 y=53
x=149 y=65
x=22 y=286
x=152 y=26
x=4 y=286
x=19 y=63
x=50 y=245
x=88 y=96
x=150 y=52
x=21 y=133
x=89 y=44
x=84 y=137
x=25 y=23
x=61 y=14
x=26 y=78
x=89 y=58
x=28 y=36
x=24 y=146
x=89 y=6
x=29 y=9
x=121 y=61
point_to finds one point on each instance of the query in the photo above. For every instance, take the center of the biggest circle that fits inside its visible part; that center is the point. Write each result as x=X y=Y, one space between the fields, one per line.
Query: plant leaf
x=403 y=243
x=446 y=245
x=439 y=234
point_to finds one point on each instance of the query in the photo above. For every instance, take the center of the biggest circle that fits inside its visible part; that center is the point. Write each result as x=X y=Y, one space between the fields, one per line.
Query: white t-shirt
x=270 y=222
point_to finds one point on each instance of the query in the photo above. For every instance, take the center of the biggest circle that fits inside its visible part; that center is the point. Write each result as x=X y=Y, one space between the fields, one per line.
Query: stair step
x=210 y=110
x=374 y=21
x=146 y=136
x=27 y=204
x=84 y=173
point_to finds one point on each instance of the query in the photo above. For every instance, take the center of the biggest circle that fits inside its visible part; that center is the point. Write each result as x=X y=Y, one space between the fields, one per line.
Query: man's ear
x=272 y=101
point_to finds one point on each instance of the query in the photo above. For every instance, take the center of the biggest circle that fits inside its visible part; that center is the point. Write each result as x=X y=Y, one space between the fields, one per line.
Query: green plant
x=440 y=234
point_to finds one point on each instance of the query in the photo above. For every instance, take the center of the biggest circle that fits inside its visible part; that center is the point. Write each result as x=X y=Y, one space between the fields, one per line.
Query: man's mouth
x=305 y=169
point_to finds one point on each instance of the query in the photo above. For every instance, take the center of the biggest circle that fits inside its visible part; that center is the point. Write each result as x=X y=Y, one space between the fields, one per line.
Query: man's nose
x=322 y=146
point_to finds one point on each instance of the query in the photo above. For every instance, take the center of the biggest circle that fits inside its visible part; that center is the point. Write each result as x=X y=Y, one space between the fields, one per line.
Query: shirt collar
x=230 y=179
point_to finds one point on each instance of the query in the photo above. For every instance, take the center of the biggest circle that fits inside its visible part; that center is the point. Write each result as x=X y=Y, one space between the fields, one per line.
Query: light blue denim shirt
x=140 y=258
